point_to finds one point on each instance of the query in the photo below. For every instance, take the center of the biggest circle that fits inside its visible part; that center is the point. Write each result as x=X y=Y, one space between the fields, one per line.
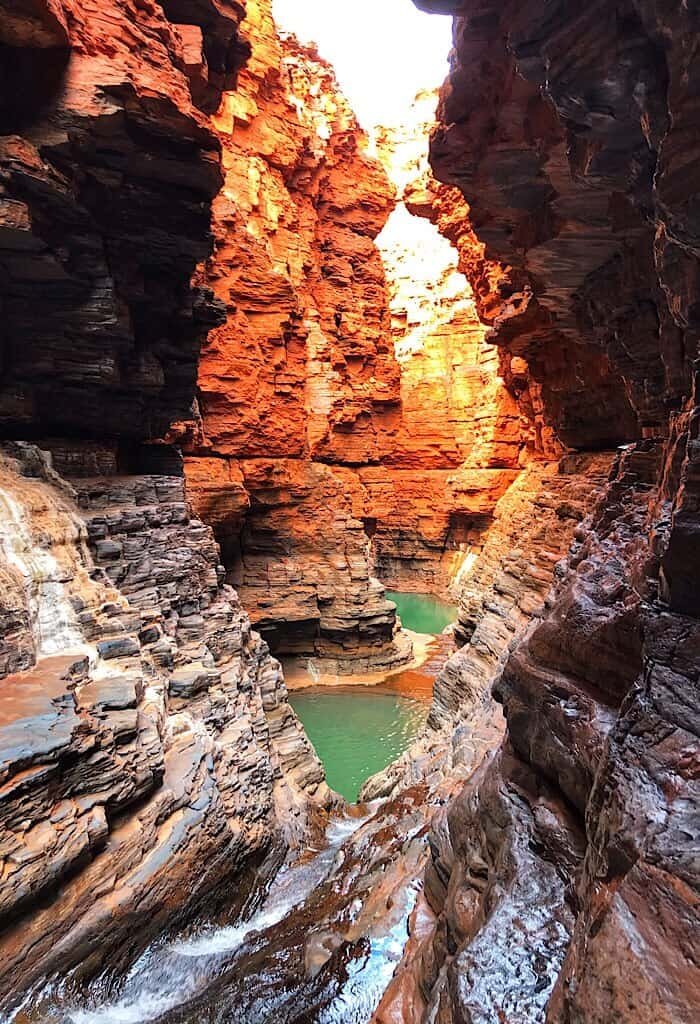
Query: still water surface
x=422 y=613
x=357 y=730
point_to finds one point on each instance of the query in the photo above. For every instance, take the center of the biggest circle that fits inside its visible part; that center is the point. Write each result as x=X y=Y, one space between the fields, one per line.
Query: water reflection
x=357 y=730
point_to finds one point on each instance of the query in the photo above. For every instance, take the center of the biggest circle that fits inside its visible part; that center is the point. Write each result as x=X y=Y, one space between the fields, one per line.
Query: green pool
x=357 y=732
x=422 y=613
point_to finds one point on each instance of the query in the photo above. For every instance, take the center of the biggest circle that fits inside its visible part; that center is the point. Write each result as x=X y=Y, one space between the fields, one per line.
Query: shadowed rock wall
x=107 y=172
x=573 y=136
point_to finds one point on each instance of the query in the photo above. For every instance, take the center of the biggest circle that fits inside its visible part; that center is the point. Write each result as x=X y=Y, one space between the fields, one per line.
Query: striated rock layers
x=147 y=749
x=292 y=380
x=459 y=441
x=349 y=395
x=147 y=746
x=565 y=876
x=107 y=172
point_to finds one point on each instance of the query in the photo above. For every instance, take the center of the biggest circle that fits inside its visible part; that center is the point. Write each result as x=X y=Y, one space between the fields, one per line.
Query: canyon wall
x=349 y=395
x=202 y=252
x=563 y=876
x=148 y=751
x=291 y=382
x=459 y=441
x=109 y=168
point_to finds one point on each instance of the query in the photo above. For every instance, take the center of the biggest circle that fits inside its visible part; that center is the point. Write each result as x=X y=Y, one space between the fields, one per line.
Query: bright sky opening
x=383 y=51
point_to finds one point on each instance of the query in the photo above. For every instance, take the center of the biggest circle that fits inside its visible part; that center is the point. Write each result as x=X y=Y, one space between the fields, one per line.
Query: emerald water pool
x=358 y=730
x=422 y=613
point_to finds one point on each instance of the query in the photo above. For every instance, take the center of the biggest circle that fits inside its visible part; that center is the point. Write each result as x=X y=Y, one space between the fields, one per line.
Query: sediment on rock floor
x=258 y=363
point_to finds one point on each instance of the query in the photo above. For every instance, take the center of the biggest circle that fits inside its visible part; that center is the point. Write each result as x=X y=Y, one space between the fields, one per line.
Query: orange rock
x=351 y=353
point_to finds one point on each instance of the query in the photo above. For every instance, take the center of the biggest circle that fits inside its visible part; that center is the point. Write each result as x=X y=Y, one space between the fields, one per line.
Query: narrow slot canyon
x=349 y=512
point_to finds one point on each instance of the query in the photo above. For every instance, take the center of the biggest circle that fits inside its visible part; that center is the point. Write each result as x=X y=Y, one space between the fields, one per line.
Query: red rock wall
x=301 y=367
x=147 y=749
x=462 y=437
x=335 y=393
x=335 y=402
x=573 y=135
x=107 y=173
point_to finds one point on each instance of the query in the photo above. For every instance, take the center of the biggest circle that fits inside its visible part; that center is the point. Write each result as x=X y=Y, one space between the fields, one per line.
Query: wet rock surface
x=125 y=791
x=585 y=273
x=318 y=941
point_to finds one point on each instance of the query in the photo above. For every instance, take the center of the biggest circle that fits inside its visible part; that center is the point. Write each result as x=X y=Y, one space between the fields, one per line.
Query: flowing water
x=53 y=619
x=357 y=730
x=169 y=976
x=321 y=946
x=422 y=613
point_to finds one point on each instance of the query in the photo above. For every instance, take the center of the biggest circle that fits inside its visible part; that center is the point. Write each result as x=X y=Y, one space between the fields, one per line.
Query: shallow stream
x=321 y=942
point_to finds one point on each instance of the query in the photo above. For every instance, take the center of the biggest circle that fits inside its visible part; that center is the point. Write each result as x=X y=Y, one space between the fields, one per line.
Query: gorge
x=262 y=367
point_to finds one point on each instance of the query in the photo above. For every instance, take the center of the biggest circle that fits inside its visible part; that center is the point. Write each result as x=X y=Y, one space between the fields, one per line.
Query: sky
x=383 y=51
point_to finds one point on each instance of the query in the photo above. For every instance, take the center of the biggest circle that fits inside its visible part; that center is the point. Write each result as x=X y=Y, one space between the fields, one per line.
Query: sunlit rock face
x=292 y=381
x=148 y=750
x=569 y=158
x=458 y=442
x=350 y=395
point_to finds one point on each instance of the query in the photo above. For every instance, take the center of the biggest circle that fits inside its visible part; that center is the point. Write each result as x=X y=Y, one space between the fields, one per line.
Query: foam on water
x=166 y=976
x=226 y=940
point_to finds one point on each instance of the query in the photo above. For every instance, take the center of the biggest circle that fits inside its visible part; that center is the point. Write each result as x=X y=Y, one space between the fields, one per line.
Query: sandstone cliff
x=563 y=876
x=201 y=251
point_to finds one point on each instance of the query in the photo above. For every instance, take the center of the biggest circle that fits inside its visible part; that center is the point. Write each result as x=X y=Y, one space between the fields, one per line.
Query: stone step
x=192 y=679
x=37 y=713
x=117 y=493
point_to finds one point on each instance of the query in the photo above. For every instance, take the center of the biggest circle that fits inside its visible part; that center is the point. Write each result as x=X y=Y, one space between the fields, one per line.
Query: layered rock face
x=458 y=443
x=563 y=877
x=292 y=381
x=149 y=750
x=108 y=169
x=350 y=395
